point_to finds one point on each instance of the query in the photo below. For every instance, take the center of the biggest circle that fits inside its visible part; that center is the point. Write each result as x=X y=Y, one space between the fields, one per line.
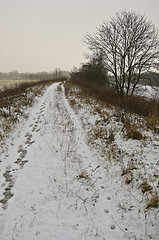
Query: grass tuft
x=153 y=202
x=145 y=187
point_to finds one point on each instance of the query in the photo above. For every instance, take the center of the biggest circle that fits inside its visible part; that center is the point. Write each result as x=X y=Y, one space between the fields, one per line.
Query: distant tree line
x=15 y=75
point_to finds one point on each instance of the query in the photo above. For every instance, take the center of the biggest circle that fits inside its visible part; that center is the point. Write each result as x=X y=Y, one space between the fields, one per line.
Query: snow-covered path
x=54 y=187
x=50 y=179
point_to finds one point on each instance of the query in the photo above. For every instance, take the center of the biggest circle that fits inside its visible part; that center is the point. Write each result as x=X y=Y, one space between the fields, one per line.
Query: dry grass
x=138 y=105
x=83 y=175
x=131 y=129
x=16 y=89
x=145 y=186
x=153 y=120
x=153 y=201
x=13 y=102
x=9 y=83
x=103 y=134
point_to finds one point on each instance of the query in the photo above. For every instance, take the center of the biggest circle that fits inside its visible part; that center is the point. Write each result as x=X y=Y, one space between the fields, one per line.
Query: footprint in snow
x=28 y=139
x=112 y=227
x=106 y=210
x=7 y=191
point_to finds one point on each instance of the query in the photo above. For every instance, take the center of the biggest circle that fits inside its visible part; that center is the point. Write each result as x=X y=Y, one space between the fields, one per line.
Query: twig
x=133 y=196
x=122 y=229
x=118 y=225
x=30 y=225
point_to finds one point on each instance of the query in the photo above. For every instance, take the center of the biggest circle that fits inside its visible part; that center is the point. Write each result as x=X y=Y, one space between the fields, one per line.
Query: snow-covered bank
x=133 y=163
x=61 y=188
x=147 y=91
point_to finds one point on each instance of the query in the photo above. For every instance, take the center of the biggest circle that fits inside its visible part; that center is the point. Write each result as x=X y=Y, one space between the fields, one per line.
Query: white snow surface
x=63 y=189
x=148 y=92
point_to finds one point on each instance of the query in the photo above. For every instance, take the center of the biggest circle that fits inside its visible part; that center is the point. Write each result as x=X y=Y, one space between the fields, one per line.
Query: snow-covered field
x=58 y=182
x=10 y=83
x=148 y=91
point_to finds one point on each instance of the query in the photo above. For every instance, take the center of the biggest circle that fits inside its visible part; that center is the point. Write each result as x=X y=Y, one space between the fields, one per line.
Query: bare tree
x=129 y=46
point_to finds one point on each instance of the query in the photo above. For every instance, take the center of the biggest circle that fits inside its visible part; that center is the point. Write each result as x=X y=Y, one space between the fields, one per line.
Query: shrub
x=134 y=134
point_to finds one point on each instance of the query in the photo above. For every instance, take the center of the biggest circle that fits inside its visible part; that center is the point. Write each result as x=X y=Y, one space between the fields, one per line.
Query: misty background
x=42 y=35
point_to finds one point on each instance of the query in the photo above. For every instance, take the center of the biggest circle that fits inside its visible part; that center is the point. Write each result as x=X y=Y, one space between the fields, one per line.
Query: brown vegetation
x=14 y=100
x=134 y=104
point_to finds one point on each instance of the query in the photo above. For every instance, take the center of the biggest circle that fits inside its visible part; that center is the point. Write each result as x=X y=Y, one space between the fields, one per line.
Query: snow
x=147 y=91
x=61 y=186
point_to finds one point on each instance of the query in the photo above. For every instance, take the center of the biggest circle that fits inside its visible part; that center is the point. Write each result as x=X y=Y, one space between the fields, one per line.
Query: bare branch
x=129 y=44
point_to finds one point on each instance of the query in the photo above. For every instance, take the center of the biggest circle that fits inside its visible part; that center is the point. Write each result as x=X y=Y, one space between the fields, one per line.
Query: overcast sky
x=41 y=35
